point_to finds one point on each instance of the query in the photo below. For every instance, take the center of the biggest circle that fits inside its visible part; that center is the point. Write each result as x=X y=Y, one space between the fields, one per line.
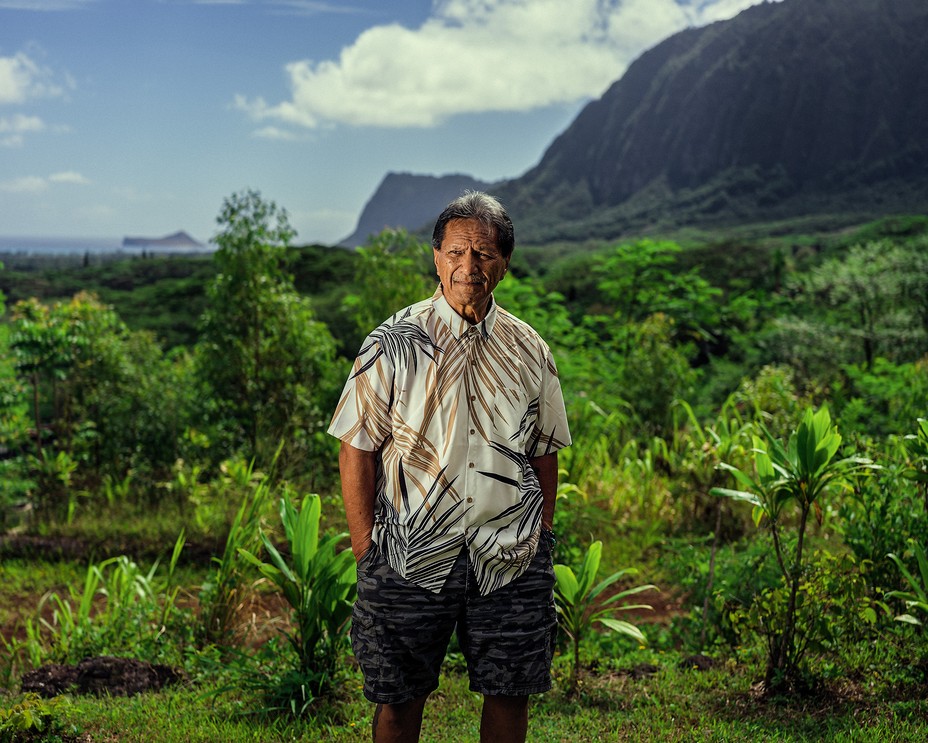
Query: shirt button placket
x=470 y=348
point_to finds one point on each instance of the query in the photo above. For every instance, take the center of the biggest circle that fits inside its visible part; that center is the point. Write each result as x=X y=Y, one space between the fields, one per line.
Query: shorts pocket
x=367 y=558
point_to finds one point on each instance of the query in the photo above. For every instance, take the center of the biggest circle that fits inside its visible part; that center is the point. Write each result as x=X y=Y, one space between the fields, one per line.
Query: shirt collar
x=458 y=325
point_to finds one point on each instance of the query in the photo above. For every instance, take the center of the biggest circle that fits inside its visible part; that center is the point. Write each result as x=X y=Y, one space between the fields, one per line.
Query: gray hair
x=485 y=209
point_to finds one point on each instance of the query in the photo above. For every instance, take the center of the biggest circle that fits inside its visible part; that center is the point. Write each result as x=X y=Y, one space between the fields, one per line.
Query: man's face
x=470 y=266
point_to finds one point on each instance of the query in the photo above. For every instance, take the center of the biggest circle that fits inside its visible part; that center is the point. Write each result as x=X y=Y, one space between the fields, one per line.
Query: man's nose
x=469 y=261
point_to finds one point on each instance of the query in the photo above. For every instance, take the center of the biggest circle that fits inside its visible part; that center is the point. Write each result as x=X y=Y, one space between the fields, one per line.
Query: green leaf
x=625 y=628
x=741 y=495
x=590 y=567
x=566 y=582
x=630 y=592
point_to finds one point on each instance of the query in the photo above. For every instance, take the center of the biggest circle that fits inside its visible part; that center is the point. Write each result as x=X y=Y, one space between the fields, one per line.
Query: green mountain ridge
x=789 y=110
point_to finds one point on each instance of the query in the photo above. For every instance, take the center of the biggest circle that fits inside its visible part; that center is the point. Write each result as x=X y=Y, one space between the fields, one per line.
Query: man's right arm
x=358 y=470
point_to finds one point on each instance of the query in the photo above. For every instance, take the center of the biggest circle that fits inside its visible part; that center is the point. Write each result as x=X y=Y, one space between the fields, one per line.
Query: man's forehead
x=469 y=231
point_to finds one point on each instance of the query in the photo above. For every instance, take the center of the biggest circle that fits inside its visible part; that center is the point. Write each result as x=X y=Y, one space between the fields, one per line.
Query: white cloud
x=45 y=5
x=20 y=123
x=26 y=184
x=21 y=78
x=37 y=184
x=13 y=128
x=474 y=56
x=275 y=133
x=69 y=176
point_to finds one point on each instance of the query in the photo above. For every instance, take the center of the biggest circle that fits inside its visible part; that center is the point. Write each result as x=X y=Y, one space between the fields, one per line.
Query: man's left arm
x=545 y=467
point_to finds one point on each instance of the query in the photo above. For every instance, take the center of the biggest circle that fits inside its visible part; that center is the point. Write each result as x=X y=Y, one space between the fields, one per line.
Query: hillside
x=409 y=201
x=791 y=109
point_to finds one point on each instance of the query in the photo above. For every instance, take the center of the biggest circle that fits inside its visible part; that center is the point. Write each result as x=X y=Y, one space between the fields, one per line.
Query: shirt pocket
x=511 y=418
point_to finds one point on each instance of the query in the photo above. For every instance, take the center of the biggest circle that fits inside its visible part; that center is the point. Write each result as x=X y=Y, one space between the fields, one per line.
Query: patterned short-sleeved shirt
x=455 y=412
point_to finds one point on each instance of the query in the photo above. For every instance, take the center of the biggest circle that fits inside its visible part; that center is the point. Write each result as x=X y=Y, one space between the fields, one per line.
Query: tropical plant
x=917 y=595
x=221 y=595
x=318 y=583
x=799 y=475
x=580 y=604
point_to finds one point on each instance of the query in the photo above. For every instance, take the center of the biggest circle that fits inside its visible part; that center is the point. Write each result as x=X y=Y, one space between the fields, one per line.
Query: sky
x=140 y=117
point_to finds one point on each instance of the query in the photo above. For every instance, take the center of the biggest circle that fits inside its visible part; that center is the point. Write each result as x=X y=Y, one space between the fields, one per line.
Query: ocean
x=38 y=246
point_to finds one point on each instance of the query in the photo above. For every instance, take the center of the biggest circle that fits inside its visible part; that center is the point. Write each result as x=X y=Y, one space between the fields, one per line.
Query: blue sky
x=138 y=117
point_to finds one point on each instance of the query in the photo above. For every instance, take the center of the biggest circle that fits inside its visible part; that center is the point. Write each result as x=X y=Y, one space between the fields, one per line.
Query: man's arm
x=546 y=468
x=358 y=470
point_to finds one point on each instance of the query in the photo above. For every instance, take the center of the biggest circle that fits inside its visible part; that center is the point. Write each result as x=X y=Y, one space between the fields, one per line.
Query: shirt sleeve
x=551 y=431
x=362 y=416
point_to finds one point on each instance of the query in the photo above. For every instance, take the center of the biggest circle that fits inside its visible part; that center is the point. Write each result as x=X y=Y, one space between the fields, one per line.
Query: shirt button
x=470 y=500
x=472 y=431
x=471 y=465
x=473 y=397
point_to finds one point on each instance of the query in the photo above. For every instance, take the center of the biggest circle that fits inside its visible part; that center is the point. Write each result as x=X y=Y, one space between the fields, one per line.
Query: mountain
x=177 y=240
x=792 y=108
x=408 y=201
x=788 y=109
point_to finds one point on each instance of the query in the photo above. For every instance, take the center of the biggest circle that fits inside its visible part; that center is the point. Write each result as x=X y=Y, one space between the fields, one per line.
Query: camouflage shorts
x=400 y=632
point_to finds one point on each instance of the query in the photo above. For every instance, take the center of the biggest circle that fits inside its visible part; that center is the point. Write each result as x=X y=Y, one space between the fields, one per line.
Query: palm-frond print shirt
x=455 y=412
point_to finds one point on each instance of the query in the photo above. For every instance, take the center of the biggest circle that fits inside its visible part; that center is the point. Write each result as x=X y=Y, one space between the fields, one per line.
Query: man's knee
x=398 y=722
x=505 y=703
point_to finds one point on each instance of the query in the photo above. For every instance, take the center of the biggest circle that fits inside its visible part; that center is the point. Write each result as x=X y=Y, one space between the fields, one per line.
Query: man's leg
x=504 y=719
x=398 y=723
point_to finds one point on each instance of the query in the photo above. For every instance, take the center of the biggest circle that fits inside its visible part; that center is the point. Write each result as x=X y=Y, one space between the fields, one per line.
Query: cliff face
x=788 y=108
x=408 y=201
x=791 y=108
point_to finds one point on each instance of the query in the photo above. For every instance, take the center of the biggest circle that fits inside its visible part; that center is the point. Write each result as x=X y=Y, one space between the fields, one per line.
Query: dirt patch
x=101 y=676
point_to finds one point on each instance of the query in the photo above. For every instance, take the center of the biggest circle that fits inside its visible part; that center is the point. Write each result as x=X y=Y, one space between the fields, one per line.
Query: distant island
x=177 y=240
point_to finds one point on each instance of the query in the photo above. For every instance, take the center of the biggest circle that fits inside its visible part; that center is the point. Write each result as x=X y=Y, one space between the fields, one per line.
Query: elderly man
x=450 y=425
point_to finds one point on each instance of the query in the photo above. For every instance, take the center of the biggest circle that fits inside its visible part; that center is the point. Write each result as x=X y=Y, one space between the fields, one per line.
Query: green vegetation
x=319 y=585
x=158 y=487
x=580 y=604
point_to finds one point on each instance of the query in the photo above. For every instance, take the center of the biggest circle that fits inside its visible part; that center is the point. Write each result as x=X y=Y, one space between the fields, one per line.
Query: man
x=450 y=425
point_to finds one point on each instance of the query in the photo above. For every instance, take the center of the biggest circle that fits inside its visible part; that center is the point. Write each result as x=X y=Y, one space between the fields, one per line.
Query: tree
x=391 y=273
x=800 y=475
x=871 y=302
x=262 y=352
x=44 y=348
x=105 y=400
x=638 y=280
